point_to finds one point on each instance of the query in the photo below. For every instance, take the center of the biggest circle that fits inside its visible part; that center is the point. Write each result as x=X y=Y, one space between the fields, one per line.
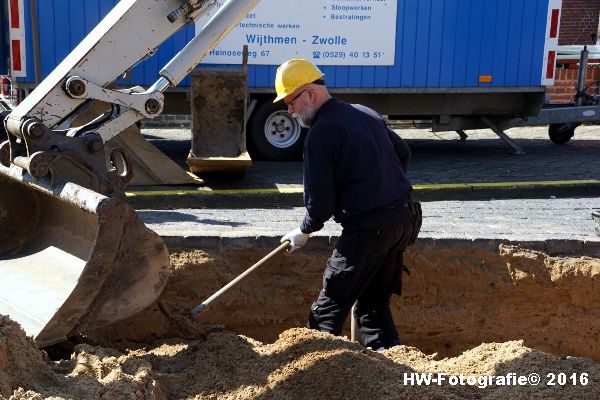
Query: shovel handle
x=206 y=303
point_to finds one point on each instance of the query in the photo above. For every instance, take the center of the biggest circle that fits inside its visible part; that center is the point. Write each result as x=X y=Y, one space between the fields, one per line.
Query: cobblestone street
x=514 y=220
x=439 y=158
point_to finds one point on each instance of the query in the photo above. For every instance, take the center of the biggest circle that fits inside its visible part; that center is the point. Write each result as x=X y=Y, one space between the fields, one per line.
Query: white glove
x=297 y=239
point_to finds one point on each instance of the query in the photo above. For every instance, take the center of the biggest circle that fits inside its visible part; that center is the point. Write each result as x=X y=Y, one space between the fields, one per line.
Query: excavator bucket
x=71 y=259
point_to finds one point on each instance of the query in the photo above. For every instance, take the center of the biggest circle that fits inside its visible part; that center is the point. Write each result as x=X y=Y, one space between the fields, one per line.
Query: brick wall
x=565 y=82
x=578 y=20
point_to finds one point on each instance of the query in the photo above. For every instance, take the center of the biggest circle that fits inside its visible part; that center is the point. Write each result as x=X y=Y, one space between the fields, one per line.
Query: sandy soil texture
x=300 y=364
x=454 y=299
x=19 y=359
x=465 y=312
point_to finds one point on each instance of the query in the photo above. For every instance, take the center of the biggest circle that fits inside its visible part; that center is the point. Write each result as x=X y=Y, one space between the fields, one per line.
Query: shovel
x=184 y=319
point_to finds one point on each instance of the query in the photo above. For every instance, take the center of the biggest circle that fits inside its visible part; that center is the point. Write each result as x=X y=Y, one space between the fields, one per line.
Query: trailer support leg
x=498 y=131
x=462 y=134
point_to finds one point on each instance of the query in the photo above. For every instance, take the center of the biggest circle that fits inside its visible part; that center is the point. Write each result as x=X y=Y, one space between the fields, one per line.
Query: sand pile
x=300 y=364
x=528 y=306
x=91 y=373
x=20 y=362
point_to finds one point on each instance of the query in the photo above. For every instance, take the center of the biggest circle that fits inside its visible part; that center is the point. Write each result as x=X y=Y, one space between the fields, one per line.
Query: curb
x=507 y=190
x=183 y=197
x=203 y=198
x=587 y=248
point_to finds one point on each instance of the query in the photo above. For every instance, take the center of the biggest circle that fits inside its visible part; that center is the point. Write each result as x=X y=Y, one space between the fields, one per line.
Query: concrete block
x=424 y=243
x=466 y=244
x=228 y=243
x=537 y=245
x=564 y=247
x=490 y=245
x=591 y=249
x=190 y=243
x=318 y=243
x=268 y=242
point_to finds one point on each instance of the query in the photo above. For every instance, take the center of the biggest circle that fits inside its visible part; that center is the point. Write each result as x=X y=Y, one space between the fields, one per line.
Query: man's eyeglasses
x=291 y=102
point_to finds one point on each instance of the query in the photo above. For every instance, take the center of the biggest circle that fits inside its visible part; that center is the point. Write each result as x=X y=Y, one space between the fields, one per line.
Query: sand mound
x=93 y=373
x=20 y=361
x=300 y=364
x=454 y=299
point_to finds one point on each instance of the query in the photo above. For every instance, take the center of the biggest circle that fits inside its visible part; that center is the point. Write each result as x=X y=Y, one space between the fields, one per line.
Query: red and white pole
x=16 y=25
x=551 y=43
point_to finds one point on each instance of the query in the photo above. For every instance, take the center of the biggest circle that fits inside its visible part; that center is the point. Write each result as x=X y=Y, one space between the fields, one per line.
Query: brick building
x=578 y=21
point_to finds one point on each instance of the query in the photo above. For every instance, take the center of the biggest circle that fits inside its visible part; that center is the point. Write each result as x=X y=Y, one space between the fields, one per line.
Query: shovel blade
x=72 y=260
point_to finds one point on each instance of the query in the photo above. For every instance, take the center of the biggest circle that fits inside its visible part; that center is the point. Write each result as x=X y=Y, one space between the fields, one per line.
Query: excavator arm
x=131 y=32
x=73 y=254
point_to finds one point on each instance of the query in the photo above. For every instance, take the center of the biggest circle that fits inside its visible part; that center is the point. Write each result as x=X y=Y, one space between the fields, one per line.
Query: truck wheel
x=561 y=133
x=274 y=135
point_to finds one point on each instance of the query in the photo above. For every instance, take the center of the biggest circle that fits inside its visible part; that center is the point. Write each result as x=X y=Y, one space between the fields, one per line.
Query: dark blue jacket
x=353 y=163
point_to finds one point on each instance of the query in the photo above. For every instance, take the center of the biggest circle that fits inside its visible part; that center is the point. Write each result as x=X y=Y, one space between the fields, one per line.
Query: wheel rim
x=282 y=130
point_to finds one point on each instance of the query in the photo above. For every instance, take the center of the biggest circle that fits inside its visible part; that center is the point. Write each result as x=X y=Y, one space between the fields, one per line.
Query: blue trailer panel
x=439 y=44
x=453 y=61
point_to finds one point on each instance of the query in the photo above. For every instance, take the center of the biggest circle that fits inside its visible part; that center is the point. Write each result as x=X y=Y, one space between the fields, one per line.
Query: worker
x=354 y=170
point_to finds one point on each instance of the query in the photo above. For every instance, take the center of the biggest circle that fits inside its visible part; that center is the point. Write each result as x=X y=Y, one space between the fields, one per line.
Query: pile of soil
x=20 y=361
x=301 y=364
x=527 y=307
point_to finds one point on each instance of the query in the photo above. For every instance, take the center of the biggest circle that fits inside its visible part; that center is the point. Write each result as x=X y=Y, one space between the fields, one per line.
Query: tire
x=273 y=134
x=561 y=133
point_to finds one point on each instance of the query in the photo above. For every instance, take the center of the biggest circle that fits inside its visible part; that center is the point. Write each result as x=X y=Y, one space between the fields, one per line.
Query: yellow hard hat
x=292 y=74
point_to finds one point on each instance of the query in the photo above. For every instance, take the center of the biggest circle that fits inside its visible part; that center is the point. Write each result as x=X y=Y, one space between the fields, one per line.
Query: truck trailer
x=463 y=64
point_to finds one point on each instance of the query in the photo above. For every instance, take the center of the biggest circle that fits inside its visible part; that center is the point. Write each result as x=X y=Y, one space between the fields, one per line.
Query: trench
x=459 y=294
x=480 y=309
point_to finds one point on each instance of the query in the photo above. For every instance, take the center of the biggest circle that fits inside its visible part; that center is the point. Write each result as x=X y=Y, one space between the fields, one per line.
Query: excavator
x=74 y=256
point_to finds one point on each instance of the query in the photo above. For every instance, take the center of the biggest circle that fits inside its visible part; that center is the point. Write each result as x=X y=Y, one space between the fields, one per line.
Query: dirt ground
x=454 y=299
x=485 y=319
x=300 y=364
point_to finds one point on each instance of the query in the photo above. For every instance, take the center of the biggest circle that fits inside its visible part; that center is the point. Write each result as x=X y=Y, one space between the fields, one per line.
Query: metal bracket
x=148 y=103
x=500 y=132
x=560 y=114
x=52 y=158
x=137 y=102
x=462 y=134
x=118 y=124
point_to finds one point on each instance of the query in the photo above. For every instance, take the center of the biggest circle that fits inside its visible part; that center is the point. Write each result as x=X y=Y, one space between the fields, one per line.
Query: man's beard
x=306 y=118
